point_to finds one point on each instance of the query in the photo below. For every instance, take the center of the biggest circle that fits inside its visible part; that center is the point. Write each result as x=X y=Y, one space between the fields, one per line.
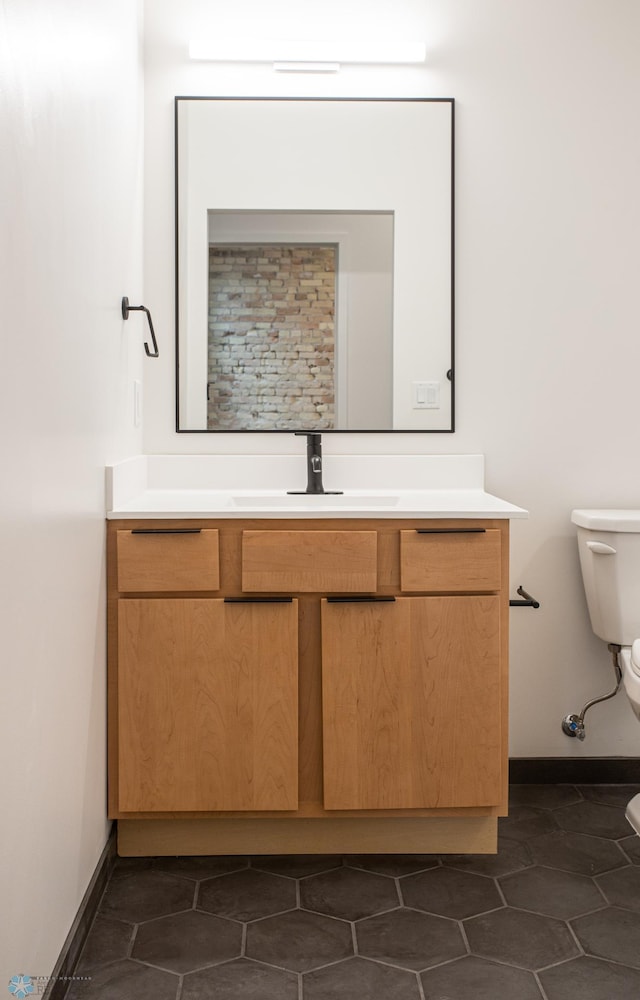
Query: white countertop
x=219 y=486
x=407 y=503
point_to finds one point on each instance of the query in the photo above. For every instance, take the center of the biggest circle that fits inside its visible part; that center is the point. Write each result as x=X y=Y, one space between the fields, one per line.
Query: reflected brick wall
x=271 y=337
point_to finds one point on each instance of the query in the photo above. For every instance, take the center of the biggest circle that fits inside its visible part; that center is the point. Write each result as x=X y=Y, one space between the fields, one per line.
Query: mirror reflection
x=300 y=321
x=316 y=300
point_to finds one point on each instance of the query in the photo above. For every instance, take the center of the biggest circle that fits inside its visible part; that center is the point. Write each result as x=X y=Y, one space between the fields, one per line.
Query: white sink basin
x=311 y=501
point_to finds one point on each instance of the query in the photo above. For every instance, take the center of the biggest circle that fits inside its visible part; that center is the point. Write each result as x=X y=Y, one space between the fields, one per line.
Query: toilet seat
x=635 y=657
x=630 y=657
x=633 y=813
x=630 y=660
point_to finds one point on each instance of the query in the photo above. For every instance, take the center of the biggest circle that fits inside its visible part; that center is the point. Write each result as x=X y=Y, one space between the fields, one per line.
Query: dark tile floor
x=554 y=915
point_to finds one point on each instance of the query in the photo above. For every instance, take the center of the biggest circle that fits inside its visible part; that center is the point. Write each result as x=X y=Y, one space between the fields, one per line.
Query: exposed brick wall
x=271 y=337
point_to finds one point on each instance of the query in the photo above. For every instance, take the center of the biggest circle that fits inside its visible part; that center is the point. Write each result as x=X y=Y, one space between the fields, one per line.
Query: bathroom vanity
x=306 y=675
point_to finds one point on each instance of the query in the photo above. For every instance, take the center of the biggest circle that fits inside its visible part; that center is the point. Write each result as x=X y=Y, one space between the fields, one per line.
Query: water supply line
x=573 y=725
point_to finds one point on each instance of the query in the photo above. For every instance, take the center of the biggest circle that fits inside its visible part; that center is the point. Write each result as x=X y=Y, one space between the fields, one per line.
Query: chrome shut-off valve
x=573 y=725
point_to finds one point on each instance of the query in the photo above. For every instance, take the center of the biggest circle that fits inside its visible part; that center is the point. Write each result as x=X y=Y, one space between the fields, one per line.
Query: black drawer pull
x=451 y=531
x=258 y=600
x=357 y=599
x=166 y=531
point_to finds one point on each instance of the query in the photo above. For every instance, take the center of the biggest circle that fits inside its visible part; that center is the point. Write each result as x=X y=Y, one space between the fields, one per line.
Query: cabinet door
x=207 y=705
x=411 y=703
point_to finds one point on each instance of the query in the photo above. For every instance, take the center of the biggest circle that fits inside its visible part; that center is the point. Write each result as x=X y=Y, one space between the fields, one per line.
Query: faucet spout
x=314 y=465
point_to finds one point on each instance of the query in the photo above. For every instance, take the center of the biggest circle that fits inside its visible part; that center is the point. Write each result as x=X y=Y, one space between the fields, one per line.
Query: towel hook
x=126 y=309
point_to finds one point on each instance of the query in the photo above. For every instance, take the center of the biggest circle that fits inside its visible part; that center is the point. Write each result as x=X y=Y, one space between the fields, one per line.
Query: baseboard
x=574 y=771
x=59 y=980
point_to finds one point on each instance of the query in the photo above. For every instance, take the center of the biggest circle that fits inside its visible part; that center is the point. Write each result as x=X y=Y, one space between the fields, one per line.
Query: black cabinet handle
x=358 y=599
x=166 y=531
x=258 y=600
x=451 y=531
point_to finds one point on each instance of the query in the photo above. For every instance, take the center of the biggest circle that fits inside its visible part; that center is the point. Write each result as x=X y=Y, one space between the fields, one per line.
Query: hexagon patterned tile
x=555 y=914
x=247 y=895
x=349 y=893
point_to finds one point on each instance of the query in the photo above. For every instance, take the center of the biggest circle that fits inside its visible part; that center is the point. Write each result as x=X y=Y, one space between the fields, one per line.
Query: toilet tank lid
x=607 y=520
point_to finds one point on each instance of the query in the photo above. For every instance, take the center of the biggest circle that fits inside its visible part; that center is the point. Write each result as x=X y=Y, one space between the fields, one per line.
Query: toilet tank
x=609 y=547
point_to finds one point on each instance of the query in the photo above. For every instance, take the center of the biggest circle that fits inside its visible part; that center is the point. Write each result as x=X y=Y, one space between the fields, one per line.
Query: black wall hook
x=528 y=602
x=126 y=309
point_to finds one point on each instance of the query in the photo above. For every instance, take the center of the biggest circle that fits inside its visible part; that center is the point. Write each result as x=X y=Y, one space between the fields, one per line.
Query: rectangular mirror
x=314 y=242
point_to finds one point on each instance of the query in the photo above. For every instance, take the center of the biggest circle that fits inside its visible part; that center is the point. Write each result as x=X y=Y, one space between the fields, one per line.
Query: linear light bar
x=304 y=51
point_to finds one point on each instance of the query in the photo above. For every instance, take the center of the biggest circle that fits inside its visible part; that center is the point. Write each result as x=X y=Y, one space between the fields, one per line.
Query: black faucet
x=314 y=465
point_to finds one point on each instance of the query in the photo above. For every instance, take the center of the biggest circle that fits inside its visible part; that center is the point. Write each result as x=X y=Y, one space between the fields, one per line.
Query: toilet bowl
x=609 y=548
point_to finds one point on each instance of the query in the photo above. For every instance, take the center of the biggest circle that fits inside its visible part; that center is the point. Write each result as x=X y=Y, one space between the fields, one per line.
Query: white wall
x=548 y=212
x=71 y=247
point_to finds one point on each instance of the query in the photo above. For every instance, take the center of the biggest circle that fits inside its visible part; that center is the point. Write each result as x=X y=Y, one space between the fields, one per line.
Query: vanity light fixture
x=308 y=55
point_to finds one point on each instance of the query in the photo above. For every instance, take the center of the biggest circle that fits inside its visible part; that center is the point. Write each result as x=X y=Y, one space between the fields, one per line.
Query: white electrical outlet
x=425 y=395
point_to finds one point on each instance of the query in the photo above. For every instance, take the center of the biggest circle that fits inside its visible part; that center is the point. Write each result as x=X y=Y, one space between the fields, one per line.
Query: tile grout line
x=243 y=941
x=543 y=992
x=132 y=940
x=611 y=961
x=387 y=963
x=399 y=889
x=549 y=916
x=568 y=961
x=499 y=890
x=463 y=934
x=196 y=896
x=575 y=936
x=449 y=961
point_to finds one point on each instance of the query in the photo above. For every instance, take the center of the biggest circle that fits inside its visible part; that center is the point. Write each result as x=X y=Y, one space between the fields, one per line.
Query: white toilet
x=609 y=547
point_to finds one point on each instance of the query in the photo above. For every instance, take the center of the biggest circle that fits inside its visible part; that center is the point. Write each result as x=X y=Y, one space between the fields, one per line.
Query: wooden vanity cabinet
x=280 y=686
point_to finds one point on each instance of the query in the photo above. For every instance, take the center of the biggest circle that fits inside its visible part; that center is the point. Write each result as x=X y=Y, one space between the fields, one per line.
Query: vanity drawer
x=168 y=559
x=450 y=559
x=309 y=561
